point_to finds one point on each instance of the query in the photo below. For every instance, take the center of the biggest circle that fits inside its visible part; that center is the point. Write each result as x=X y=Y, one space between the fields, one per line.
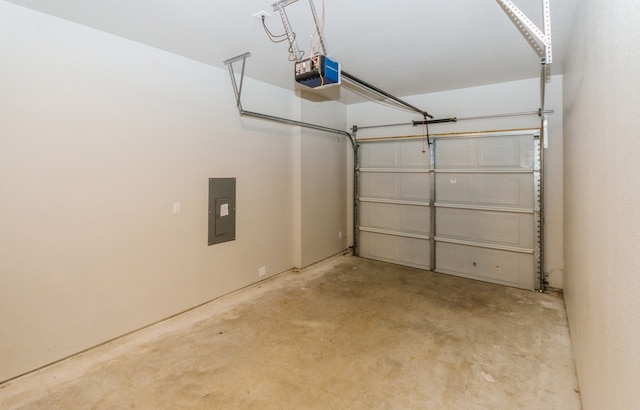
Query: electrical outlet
x=177 y=208
x=262 y=271
x=339 y=234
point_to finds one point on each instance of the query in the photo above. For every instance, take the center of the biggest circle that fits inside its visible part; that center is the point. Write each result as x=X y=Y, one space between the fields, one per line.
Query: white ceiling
x=405 y=48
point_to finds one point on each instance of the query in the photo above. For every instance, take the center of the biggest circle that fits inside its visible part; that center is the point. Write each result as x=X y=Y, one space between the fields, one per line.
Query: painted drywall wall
x=602 y=216
x=323 y=181
x=99 y=137
x=510 y=97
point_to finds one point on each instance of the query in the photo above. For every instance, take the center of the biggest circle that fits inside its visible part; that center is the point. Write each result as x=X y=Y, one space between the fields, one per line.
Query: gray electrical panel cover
x=222 y=210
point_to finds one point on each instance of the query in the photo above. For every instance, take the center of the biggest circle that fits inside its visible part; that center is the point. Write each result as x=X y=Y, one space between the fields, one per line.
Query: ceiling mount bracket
x=237 y=89
x=279 y=6
x=539 y=39
x=293 y=44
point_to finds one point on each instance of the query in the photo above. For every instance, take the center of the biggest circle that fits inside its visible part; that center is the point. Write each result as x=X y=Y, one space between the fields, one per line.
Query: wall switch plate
x=177 y=208
x=339 y=234
x=262 y=271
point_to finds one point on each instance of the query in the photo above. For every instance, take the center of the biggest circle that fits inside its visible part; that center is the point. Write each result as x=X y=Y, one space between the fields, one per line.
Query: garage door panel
x=489 y=152
x=459 y=153
x=379 y=246
x=412 y=155
x=499 y=152
x=405 y=218
x=456 y=188
x=505 y=229
x=406 y=154
x=511 y=152
x=512 y=190
x=500 y=265
x=382 y=155
x=495 y=265
x=415 y=252
x=456 y=224
x=391 y=248
x=414 y=186
x=397 y=186
x=498 y=228
x=378 y=185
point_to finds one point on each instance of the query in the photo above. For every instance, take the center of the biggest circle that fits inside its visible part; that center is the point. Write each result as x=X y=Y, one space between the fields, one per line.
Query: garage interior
x=475 y=252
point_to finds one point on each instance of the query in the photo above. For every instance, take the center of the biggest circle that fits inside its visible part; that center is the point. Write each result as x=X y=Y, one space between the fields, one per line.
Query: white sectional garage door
x=467 y=206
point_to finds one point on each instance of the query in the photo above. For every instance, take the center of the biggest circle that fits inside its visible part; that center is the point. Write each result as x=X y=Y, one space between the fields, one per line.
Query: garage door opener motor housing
x=317 y=71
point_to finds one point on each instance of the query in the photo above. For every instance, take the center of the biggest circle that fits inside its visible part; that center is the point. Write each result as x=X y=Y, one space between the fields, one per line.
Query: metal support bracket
x=279 y=6
x=293 y=44
x=237 y=89
x=318 y=28
x=538 y=39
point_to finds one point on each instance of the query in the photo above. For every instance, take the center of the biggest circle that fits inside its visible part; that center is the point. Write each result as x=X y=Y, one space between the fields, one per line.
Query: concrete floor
x=347 y=333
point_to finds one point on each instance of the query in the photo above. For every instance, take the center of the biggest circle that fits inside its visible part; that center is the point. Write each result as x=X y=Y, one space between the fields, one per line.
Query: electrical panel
x=222 y=210
x=317 y=71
